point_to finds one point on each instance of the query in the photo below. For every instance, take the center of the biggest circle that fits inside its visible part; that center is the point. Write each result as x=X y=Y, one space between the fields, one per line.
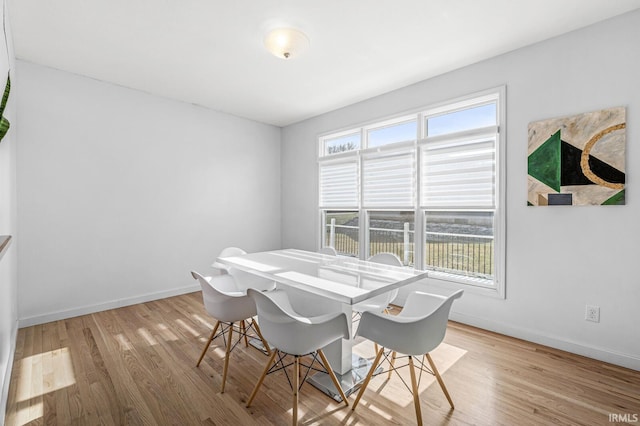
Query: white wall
x=121 y=194
x=8 y=264
x=558 y=258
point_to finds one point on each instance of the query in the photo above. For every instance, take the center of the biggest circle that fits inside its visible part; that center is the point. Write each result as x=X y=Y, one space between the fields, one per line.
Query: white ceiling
x=211 y=52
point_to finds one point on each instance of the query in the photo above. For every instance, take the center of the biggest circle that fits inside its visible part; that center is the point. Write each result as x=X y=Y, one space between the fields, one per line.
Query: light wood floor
x=136 y=365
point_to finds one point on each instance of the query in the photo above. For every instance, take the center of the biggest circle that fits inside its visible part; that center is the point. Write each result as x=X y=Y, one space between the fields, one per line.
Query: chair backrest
x=231 y=251
x=418 y=329
x=328 y=251
x=386 y=259
x=226 y=252
x=245 y=280
x=292 y=333
x=430 y=314
x=222 y=300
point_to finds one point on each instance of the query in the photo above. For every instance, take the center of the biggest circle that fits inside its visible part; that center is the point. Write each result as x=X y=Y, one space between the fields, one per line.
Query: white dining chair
x=226 y=252
x=232 y=309
x=244 y=280
x=328 y=250
x=379 y=303
x=418 y=329
x=292 y=334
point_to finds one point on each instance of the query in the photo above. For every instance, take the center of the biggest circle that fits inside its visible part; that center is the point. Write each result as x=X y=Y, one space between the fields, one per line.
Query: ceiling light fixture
x=286 y=42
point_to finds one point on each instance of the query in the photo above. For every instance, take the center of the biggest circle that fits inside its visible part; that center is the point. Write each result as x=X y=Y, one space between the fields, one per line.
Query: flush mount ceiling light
x=286 y=42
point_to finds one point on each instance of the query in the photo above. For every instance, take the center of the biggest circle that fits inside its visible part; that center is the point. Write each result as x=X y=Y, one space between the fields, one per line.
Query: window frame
x=494 y=288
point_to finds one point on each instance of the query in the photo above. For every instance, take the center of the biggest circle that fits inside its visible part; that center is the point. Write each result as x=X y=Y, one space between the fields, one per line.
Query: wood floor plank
x=136 y=366
x=81 y=403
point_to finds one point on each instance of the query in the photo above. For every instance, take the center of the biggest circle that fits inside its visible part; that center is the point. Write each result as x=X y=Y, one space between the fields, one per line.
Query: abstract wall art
x=578 y=160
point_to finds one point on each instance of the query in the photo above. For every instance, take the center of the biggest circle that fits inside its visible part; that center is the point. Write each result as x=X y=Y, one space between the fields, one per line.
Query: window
x=464 y=119
x=431 y=193
x=392 y=232
x=342 y=143
x=342 y=231
x=389 y=180
x=460 y=242
x=391 y=133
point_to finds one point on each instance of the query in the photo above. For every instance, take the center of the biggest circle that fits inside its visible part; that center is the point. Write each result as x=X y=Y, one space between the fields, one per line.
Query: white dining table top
x=341 y=278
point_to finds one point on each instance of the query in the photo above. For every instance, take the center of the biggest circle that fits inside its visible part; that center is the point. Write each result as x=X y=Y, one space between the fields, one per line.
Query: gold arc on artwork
x=584 y=159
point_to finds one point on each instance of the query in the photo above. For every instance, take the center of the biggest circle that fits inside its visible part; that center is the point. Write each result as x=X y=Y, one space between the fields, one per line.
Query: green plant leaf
x=4 y=123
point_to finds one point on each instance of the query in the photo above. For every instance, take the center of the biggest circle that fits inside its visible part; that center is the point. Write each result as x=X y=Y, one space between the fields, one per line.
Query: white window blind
x=339 y=184
x=389 y=181
x=459 y=173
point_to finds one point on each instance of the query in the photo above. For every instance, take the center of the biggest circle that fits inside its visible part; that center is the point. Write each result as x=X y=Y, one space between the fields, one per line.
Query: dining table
x=317 y=284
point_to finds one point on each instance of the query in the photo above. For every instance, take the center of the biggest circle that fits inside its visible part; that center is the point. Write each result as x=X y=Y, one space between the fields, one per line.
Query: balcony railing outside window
x=341 y=231
x=392 y=232
x=460 y=242
x=460 y=254
x=343 y=238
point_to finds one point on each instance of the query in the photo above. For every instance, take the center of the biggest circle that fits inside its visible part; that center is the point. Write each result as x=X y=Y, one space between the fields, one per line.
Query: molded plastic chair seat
x=228 y=305
x=293 y=334
x=418 y=329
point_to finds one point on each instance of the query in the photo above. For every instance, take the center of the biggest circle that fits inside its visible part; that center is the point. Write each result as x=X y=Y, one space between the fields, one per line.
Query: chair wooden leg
x=393 y=362
x=375 y=345
x=416 y=394
x=264 y=342
x=435 y=372
x=204 y=351
x=264 y=374
x=226 y=358
x=244 y=332
x=296 y=386
x=334 y=379
x=369 y=375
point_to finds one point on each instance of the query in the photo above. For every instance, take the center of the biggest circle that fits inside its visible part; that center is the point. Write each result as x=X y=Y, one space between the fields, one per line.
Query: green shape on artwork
x=544 y=162
x=617 y=199
x=4 y=123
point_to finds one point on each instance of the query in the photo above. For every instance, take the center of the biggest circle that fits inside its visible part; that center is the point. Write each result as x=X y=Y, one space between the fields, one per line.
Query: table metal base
x=349 y=381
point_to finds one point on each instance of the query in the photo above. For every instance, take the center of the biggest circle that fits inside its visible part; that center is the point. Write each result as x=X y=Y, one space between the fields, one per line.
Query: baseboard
x=90 y=309
x=4 y=397
x=606 y=355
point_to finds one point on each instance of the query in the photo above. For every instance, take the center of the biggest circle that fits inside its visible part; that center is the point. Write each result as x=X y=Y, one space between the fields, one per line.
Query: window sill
x=472 y=285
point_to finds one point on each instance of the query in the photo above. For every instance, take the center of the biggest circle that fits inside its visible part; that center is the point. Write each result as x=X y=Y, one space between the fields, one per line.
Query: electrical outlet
x=592 y=313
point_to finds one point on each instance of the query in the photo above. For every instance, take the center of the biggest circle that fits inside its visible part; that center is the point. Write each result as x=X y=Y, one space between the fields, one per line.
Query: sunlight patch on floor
x=187 y=327
x=444 y=357
x=45 y=372
x=166 y=333
x=125 y=344
x=147 y=336
x=28 y=414
x=379 y=411
x=207 y=324
x=219 y=351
